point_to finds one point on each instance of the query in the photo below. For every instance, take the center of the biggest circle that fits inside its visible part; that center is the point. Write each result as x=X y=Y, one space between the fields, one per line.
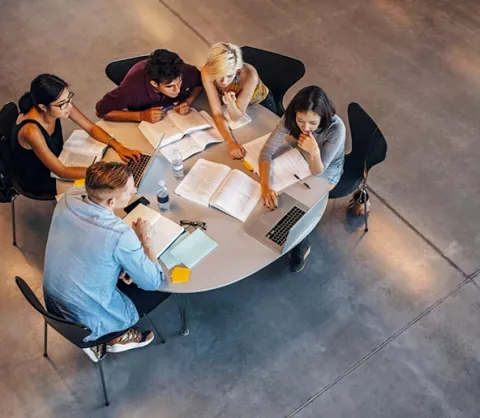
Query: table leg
x=182 y=304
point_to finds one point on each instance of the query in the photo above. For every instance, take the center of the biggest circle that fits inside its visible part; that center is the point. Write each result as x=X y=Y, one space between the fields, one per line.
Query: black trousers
x=144 y=300
x=269 y=103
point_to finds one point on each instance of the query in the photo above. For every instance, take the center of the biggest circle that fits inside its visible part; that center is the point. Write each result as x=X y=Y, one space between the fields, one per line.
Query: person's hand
x=236 y=151
x=152 y=115
x=229 y=97
x=143 y=230
x=308 y=143
x=127 y=154
x=123 y=277
x=269 y=197
x=182 y=108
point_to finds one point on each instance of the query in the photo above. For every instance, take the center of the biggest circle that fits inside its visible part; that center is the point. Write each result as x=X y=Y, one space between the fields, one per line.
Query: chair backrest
x=369 y=146
x=8 y=117
x=72 y=331
x=117 y=70
x=278 y=72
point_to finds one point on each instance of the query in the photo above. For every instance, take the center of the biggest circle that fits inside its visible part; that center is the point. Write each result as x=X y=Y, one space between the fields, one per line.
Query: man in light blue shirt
x=89 y=249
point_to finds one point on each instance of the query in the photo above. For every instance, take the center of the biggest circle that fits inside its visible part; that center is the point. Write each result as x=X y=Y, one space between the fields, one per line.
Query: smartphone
x=143 y=200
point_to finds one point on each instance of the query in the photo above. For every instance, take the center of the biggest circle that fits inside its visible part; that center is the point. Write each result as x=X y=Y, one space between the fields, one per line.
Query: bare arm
x=123 y=116
x=249 y=86
x=31 y=135
x=101 y=136
x=196 y=91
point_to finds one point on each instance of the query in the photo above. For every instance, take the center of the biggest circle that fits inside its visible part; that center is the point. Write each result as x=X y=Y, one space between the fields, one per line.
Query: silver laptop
x=279 y=229
x=140 y=169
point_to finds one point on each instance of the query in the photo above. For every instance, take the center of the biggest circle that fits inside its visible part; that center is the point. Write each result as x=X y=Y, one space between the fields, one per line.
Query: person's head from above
x=110 y=184
x=50 y=95
x=309 y=111
x=164 y=70
x=223 y=62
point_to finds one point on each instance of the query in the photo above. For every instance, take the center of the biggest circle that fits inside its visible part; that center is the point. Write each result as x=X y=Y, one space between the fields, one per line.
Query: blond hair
x=223 y=58
x=104 y=177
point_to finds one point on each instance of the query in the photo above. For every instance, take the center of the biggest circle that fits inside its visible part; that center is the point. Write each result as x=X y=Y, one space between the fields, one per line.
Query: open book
x=286 y=162
x=217 y=185
x=174 y=126
x=164 y=231
x=80 y=150
x=195 y=142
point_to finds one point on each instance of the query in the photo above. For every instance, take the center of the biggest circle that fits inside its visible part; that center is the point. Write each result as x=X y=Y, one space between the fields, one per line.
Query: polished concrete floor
x=377 y=325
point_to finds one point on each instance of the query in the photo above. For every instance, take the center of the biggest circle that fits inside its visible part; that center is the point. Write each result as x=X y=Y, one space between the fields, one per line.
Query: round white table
x=238 y=255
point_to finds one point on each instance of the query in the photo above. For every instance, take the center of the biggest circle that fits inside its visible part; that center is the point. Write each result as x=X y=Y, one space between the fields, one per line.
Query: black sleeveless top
x=31 y=173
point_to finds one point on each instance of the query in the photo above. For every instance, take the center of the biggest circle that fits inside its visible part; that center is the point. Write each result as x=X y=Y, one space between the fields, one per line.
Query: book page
x=286 y=162
x=153 y=132
x=238 y=195
x=189 y=123
x=208 y=136
x=144 y=212
x=188 y=146
x=202 y=181
x=72 y=159
x=81 y=142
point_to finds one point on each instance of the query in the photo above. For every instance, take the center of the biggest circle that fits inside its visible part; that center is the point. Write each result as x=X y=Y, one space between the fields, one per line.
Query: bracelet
x=110 y=139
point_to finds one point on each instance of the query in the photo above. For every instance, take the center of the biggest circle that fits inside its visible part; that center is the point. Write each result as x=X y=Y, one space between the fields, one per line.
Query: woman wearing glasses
x=38 y=140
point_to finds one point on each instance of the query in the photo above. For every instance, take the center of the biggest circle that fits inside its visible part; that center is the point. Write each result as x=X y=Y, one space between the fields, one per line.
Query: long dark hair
x=309 y=98
x=44 y=89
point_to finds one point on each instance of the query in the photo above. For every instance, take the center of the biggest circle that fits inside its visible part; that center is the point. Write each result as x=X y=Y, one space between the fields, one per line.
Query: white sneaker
x=129 y=340
x=96 y=353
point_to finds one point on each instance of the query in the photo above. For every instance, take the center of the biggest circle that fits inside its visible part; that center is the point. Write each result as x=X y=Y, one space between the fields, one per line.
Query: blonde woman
x=228 y=80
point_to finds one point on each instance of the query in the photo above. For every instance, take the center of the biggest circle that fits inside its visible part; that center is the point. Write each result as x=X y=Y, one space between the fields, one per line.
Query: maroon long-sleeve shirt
x=136 y=93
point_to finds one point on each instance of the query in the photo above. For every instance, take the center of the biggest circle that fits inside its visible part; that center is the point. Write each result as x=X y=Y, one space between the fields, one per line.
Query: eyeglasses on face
x=65 y=103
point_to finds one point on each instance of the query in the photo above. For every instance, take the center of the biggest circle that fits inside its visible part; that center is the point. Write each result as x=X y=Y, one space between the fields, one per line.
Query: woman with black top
x=38 y=140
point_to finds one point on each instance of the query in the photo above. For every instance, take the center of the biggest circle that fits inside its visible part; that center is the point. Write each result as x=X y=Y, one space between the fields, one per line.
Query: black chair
x=278 y=72
x=117 y=70
x=8 y=117
x=369 y=148
x=72 y=331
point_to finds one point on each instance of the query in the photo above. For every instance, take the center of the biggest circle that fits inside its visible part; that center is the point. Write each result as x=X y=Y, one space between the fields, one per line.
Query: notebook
x=217 y=185
x=194 y=248
x=195 y=142
x=244 y=120
x=174 y=126
x=167 y=258
x=80 y=150
x=164 y=231
x=286 y=163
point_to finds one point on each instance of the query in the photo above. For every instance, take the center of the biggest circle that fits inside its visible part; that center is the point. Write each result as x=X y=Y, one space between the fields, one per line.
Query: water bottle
x=162 y=196
x=177 y=164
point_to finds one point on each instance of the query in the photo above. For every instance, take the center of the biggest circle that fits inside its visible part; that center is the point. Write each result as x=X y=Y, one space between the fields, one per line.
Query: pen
x=168 y=108
x=300 y=180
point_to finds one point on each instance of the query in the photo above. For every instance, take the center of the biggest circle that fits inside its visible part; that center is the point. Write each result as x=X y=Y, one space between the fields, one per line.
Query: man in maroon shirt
x=150 y=88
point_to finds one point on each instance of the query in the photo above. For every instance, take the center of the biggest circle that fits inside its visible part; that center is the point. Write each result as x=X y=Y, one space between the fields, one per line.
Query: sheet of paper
x=143 y=212
x=238 y=195
x=286 y=162
x=200 y=184
x=80 y=142
x=153 y=132
x=193 y=249
x=167 y=258
x=191 y=122
x=71 y=159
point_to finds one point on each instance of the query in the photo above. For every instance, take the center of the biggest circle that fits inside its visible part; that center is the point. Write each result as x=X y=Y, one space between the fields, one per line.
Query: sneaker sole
x=90 y=354
x=120 y=348
x=307 y=253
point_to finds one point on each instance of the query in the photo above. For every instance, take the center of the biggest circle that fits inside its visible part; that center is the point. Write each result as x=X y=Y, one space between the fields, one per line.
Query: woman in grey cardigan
x=311 y=124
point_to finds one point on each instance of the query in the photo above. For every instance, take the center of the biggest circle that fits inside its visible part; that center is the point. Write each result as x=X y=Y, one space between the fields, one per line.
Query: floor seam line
x=420 y=234
x=382 y=345
x=178 y=16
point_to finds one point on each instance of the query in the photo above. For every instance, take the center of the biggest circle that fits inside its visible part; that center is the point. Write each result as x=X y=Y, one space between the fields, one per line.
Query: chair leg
x=365 y=203
x=45 y=335
x=182 y=305
x=104 y=387
x=159 y=335
x=14 y=231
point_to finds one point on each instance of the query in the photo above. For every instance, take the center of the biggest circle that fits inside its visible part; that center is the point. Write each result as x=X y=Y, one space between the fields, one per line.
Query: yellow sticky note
x=79 y=183
x=180 y=275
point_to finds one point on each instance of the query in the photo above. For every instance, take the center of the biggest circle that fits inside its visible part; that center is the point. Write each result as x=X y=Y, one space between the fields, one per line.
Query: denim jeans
x=269 y=103
x=299 y=251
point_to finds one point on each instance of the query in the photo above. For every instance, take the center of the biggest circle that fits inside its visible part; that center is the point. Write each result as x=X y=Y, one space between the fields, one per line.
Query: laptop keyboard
x=139 y=168
x=279 y=233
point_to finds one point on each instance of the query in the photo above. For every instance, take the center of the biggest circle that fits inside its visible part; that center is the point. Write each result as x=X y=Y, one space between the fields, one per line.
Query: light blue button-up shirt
x=87 y=248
